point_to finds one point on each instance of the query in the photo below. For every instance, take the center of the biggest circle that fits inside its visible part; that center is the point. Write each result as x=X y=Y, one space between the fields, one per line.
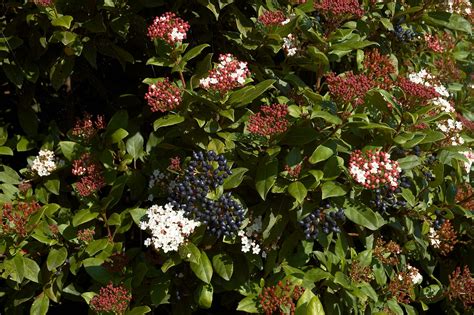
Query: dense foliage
x=226 y=156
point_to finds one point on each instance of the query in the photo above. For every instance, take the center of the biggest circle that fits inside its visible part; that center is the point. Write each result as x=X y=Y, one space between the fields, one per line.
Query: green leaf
x=83 y=216
x=448 y=20
x=135 y=146
x=56 y=258
x=236 y=178
x=52 y=185
x=118 y=135
x=32 y=270
x=267 y=171
x=137 y=214
x=300 y=136
x=204 y=294
x=19 y=264
x=409 y=162
x=193 y=52
x=203 y=269
x=139 y=310
x=63 y=21
x=332 y=189
x=298 y=191
x=330 y=118
x=223 y=265
x=321 y=153
x=168 y=120
x=96 y=245
x=361 y=215
x=40 y=305
x=118 y=120
x=248 y=304
x=61 y=70
x=70 y=149
x=6 y=151
x=247 y=94
x=315 y=307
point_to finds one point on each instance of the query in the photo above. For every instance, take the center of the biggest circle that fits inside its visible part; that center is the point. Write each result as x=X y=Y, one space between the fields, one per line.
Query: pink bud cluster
x=163 y=96
x=86 y=235
x=169 y=28
x=339 y=7
x=350 y=87
x=434 y=43
x=272 y=18
x=374 y=169
x=416 y=92
x=88 y=127
x=43 y=3
x=111 y=299
x=270 y=121
x=229 y=74
x=379 y=68
x=90 y=172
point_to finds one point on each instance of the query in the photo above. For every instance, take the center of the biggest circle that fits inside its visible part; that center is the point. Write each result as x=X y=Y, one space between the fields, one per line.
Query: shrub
x=211 y=156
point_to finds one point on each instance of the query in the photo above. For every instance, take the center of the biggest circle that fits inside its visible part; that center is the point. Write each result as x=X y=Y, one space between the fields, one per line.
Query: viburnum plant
x=221 y=156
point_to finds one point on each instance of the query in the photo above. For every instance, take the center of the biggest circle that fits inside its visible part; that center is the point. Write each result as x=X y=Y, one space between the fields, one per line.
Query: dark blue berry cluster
x=439 y=221
x=386 y=200
x=189 y=192
x=404 y=35
x=323 y=220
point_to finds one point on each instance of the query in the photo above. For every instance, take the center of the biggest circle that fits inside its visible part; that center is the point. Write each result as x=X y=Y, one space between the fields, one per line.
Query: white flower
x=470 y=156
x=444 y=105
x=247 y=237
x=415 y=275
x=434 y=238
x=168 y=227
x=176 y=35
x=44 y=163
x=289 y=45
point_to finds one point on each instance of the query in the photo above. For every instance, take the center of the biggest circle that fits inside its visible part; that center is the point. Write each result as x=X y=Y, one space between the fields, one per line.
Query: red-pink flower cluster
x=86 y=235
x=88 y=127
x=421 y=92
x=175 y=164
x=272 y=18
x=111 y=300
x=163 y=96
x=169 y=28
x=434 y=43
x=379 y=68
x=270 y=121
x=374 y=169
x=339 y=7
x=14 y=218
x=91 y=175
x=350 y=87
x=227 y=75
x=43 y=3
x=294 y=171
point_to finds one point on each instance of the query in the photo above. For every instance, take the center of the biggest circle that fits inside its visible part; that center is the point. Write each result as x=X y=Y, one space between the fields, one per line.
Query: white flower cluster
x=168 y=227
x=44 y=163
x=229 y=72
x=452 y=129
x=178 y=36
x=426 y=78
x=443 y=105
x=416 y=277
x=248 y=237
x=290 y=45
x=457 y=7
x=470 y=156
x=434 y=238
